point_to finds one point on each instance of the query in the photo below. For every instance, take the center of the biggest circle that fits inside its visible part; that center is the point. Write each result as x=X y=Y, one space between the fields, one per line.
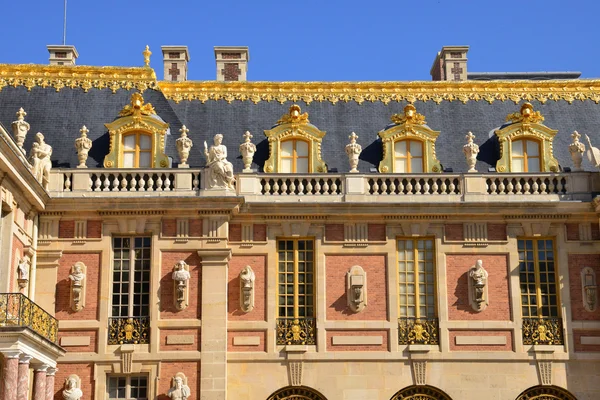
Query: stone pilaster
x=11 y=374
x=23 y=380
x=213 y=370
x=39 y=382
x=50 y=374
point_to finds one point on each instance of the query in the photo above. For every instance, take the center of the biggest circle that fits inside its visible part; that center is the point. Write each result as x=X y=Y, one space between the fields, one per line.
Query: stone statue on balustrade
x=71 y=390
x=179 y=390
x=220 y=171
x=40 y=160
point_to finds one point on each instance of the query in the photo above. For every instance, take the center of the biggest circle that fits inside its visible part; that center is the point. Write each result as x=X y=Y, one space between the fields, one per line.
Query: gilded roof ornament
x=137 y=107
x=526 y=115
x=147 y=53
x=410 y=116
x=294 y=116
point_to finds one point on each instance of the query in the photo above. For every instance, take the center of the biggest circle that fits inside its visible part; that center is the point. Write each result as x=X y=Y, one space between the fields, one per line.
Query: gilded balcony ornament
x=147 y=53
x=294 y=116
x=296 y=331
x=16 y=309
x=542 y=331
x=128 y=330
x=525 y=115
x=418 y=331
x=576 y=149
x=410 y=116
x=137 y=107
x=20 y=127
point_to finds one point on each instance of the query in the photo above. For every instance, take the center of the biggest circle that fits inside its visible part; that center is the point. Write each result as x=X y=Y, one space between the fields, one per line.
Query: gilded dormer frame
x=409 y=125
x=137 y=117
x=526 y=124
x=295 y=125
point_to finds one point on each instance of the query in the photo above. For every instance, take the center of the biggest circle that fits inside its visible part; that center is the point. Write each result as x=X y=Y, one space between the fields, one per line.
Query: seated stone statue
x=220 y=171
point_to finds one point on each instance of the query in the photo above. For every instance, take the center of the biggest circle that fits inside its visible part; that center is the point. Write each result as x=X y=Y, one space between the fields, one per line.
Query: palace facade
x=231 y=239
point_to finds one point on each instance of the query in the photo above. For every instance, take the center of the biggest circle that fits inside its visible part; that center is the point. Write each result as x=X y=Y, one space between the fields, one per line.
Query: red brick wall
x=457 y=274
x=94 y=229
x=195 y=227
x=176 y=347
x=454 y=232
x=572 y=231
x=336 y=267
x=382 y=347
x=334 y=232
x=167 y=306
x=236 y=264
x=85 y=371
x=506 y=347
x=377 y=232
x=576 y=264
x=169 y=227
x=63 y=286
x=261 y=347
x=66 y=229
x=496 y=231
x=260 y=232
x=93 y=334
x=168 y=371
x=577 y=334
x=235 y=232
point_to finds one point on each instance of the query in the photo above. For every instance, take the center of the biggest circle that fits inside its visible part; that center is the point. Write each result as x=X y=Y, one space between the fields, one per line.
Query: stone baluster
x=50 y=374
x=39 y=382
x=23 y=380
x=11 y=374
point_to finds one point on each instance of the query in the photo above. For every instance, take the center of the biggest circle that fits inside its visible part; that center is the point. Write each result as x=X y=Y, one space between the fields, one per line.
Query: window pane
x=533 y=165
x=400 y=165
x=145 y=142
x=533 y=148
x=128 y=160
x=400 y=148
x=518 y=165
x=302 y=165
x=145 y=159
x=287 y=148
x=129 y=142
x=286 y=165
x=416 y=148
x=416 y=165
x=517 y=148
x=301 y=148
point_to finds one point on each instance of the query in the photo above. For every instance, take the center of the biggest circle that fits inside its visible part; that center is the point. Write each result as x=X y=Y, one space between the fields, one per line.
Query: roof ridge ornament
x=410 y=116
x=294 y=116
x=525 y=115
x=137 y=107
x=147 y=53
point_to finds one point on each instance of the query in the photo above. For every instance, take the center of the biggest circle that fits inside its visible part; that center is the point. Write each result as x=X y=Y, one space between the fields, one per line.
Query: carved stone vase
x=247 y=149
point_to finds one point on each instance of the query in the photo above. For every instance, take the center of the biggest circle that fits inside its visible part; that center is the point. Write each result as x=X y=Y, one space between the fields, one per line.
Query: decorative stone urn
x=353 y=151
x=576 y=149
x=471 y=150
x=20 y=128
x=247 y=149
x=184 y=145
x=83 y=144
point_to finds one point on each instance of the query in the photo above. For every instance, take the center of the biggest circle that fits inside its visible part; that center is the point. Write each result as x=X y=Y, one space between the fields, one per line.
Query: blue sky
x=313 y=40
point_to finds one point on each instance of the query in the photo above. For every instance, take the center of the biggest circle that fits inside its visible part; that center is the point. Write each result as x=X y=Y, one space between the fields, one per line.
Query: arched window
x=137 y=150
x=295 y=156
x=408 y=156
x=546 y=393
x=525 y=156
x=420 y=392
x=296 y=393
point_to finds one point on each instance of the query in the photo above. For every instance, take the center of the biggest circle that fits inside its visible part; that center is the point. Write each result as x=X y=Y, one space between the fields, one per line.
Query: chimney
x=62 y=54
x=175 y=59
x=232 y=62
x=450 y=64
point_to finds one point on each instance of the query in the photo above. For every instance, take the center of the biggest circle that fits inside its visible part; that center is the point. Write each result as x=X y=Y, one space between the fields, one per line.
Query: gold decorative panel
x=128 y=330
x=526 y=124
x=137 y=118
x=543 y=331
x=293 y=331
x=418 y=331
x=295 y=126
x=409 y=126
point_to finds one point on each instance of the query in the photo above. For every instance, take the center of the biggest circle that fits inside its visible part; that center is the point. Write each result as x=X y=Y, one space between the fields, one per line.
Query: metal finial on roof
x=147 y=53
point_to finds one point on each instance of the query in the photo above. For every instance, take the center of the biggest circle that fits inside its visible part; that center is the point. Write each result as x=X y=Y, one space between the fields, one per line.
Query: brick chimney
x=450 y=64
x=62 y=54
x=175 y=59
x=232 y=62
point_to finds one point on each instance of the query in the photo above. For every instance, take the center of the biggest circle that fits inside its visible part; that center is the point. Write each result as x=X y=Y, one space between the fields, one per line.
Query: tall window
x=417 y=278
x=296 y=278
x=537 y=278
x=131 y=277
x=128 y=387
x=408 y=156
x=294 y=156
x=137 y=150
x=525 y=156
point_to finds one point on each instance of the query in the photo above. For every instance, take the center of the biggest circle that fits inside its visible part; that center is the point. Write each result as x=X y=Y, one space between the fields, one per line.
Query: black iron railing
x=129 y=330
x=543 y=331
x=418 y=331
x=16 y=309
x=296 y=331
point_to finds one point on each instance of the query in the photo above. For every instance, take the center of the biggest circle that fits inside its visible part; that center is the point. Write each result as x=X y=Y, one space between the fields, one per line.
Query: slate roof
x=60 y=115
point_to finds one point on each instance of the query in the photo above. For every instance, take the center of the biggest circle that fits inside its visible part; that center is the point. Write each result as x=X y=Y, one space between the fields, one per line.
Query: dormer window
x=295 y=156
x=408 y=156
x=526 y=156
x=137 y=150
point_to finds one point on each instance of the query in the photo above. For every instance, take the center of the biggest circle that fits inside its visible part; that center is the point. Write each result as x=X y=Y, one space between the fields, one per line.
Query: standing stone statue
x=83 y=144
x=40 y=160
x=478 y=286
x=220 y=171
x=181 y=276
x=471 y=150
x=353 y=151
x=179 y=390
x=20 y=128
x=247 y=149
x=184 y=145
x=247 y=278
x=77 y=277
x=71 y=390
x=576 y=149
x=23 y=273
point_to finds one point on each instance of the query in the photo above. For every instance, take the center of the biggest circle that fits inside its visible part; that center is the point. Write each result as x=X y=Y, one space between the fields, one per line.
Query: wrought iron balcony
x=543 y=331
x=296 y=331
x=418 y=331
x=17 y=310
x=129 y=330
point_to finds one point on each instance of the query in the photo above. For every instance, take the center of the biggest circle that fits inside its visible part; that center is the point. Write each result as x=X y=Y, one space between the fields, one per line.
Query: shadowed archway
x=296 y=393
x=421 y=393
x=546 y=393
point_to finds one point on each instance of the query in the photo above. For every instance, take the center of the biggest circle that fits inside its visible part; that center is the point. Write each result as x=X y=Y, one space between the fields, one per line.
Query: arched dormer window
x=409 y=144
x=137 y=138
x=295 y=145
x=526 y=143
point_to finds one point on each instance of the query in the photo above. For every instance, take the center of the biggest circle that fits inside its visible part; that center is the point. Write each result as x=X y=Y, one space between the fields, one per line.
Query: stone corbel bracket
x=247 y=278
x=356 y=288
x=78 y=286
x=181 y=292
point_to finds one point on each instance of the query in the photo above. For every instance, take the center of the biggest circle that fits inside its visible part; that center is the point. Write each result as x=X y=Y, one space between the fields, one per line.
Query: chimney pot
x=450 y=64
x=175 y=60
x=232 y=62
x=62 y=54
